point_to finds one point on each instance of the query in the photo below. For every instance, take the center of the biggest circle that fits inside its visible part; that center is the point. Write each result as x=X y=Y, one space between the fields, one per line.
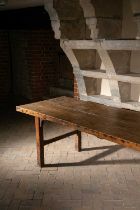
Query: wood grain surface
x=113 y=124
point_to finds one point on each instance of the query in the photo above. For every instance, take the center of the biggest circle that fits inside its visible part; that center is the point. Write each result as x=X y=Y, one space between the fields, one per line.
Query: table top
x=118 y=125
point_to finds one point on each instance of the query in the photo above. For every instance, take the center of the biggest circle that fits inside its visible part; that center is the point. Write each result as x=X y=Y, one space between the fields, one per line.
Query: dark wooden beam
x=39 y=141
x=49 y=141
x=78 y=139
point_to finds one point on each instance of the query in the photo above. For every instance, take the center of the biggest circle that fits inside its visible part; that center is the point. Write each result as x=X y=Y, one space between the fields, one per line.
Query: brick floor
x=104 y=176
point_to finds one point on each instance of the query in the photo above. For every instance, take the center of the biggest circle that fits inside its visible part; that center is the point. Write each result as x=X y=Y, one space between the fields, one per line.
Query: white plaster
x=54 y=18
x=110 y=89
x=105 y=88
x=91 y=20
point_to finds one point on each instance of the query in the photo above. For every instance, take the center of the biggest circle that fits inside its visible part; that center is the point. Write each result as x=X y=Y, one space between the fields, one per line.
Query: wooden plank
x=117 y=125
x=77 y=139
x=94 y=74
x=133 y=78
x=105 y=44
x=105 y=114
x=88 y=108
x=62 y=112
x=39 y=141
x=92 y=108
x=46 y=142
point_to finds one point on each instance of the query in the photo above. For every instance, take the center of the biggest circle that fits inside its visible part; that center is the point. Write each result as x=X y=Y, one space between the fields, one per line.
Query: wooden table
x=113 y=124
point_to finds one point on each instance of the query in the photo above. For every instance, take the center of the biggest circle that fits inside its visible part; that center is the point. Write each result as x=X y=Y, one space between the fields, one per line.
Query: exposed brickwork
x=36 y=64
x=42 y=55
x=39 y=57
x=76 y=93
x=4 y=68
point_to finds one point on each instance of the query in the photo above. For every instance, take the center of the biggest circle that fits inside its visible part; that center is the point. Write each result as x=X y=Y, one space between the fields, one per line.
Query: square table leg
x=39 y=141
x=78 y=140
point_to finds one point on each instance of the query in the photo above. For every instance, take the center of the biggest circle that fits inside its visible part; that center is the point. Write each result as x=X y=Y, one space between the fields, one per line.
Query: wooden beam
x=94 y=74
x=133 y=78
x=49 y=141
x=78 y=139
x=103 y=44
x=39 y=141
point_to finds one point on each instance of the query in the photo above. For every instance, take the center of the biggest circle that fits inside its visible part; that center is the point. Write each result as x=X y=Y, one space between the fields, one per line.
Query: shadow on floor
x=95 y=160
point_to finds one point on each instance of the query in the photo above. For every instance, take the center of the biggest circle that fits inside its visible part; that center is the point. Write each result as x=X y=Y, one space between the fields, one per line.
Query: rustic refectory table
x=117 y=125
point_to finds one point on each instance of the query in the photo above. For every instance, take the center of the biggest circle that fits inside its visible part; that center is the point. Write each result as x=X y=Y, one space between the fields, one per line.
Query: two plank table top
x=117 y=125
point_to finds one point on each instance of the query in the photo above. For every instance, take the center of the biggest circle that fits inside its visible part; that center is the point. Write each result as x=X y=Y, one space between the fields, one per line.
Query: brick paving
x=104 y=176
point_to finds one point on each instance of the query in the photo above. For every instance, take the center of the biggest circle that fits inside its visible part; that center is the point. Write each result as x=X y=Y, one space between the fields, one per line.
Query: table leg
x=39 y=141
x=78 y=141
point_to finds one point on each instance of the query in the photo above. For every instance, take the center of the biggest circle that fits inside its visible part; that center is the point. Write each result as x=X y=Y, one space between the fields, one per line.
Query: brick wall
x=76 y=93
x=4 y=68
x=34 y=62
x=31 y=60
x=29 y=65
